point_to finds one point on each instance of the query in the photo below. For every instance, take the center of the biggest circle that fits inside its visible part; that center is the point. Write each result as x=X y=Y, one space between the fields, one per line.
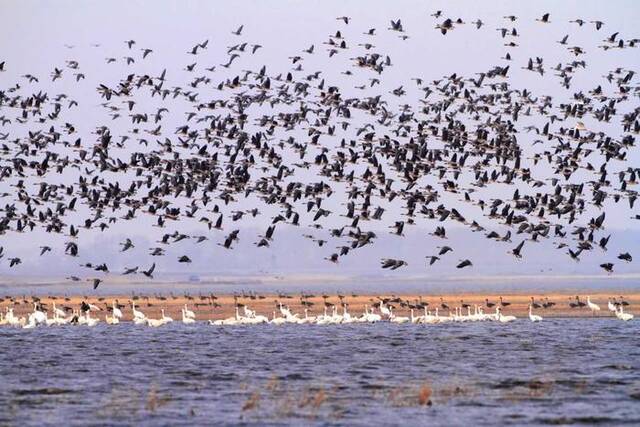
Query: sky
x=37 y=36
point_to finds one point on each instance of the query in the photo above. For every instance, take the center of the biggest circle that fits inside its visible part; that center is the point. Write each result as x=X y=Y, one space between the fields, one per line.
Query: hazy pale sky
x=37 y=36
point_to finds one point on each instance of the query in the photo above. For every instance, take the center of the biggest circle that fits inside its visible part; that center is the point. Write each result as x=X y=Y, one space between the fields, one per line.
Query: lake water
x=564 y=371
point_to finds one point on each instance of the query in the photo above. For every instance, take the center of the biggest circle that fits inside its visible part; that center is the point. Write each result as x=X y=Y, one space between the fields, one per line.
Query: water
x=366 y=285
x=565 y=371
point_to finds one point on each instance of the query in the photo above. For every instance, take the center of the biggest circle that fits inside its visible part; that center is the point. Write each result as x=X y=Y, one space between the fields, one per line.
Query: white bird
x=258 y=318
x=186 y=319
x=278 y=320
x=504 y=319
x=117 y=313
x=29 y=325
x=11 y=319
x=90 y=321
x=3 y=321
x=593 y=307
x=165 y=319
x=372 y=316
x=139 y=320
x=307 y=319
x=111 y=320
x=154 y=323
x=384 y=310
x=248 y=312
x=620 y=314
x=52 y=321
x=189 y=313
x=346 y=316
x=37 y=315
x=285 y=311
x=57 y=319
x=397 y=319
x=80 y=320
x=235 y=320
x=335 y=317
x=57 y=311
x=437 y=319
x=137 y=314
x=534 y=317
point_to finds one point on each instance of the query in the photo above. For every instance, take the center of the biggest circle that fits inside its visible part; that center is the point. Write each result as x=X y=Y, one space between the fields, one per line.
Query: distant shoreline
x=524 y=284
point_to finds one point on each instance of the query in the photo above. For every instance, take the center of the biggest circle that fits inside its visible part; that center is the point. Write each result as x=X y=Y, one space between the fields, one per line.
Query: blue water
x=560 y=372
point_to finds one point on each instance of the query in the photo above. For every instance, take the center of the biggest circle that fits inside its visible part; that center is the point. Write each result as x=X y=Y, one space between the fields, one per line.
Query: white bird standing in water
x=37 y=315
x=90 y=321
x=137 y=315
x=164 y=318
x=57 y=311
x=186 y=319
x=189 y=313
x=117 y=313
x=534 y=317
x=593 y=307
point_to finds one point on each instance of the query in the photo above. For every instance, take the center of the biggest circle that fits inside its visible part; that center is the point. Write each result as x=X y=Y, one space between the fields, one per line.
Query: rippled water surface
x=558 y=372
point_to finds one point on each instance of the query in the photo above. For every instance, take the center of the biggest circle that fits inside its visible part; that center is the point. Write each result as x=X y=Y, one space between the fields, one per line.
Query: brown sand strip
x=209 y=307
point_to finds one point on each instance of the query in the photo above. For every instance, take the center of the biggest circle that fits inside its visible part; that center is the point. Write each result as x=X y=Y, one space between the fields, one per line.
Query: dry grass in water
x=253 y=402
x=540 y=388
x=424 y=395
x=274 y=399
x=313 y=399
x=408 y=396
x=273 y=383
x=121 y=403
x=155 y=400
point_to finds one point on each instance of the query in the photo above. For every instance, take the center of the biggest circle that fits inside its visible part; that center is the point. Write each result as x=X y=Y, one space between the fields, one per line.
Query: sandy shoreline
x=219 y=306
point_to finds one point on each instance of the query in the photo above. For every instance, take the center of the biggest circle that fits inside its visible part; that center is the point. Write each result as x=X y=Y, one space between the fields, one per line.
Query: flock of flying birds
x=236 y=145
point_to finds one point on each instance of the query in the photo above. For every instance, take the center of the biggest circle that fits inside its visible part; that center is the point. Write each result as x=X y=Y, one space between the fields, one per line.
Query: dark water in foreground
x=559 y=372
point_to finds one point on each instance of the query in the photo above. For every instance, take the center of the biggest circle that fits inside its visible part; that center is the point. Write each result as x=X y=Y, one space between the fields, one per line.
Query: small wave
x=577 y=420
x=49 y=391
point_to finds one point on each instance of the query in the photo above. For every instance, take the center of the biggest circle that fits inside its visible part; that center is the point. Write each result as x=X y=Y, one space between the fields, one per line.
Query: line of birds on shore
x=461 y=131
x=331 y=313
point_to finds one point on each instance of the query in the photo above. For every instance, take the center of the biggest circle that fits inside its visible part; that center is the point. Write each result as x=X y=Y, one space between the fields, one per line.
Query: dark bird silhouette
x=625 y=257
x=444 y=250
x=544 y=19
x=396 y=26
x=131 y=270
x=149 y=272
x=516 y=251
x=608 y=267
x=333 y=258
x=464 y=263
x=393 y=264
x=432 y=259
